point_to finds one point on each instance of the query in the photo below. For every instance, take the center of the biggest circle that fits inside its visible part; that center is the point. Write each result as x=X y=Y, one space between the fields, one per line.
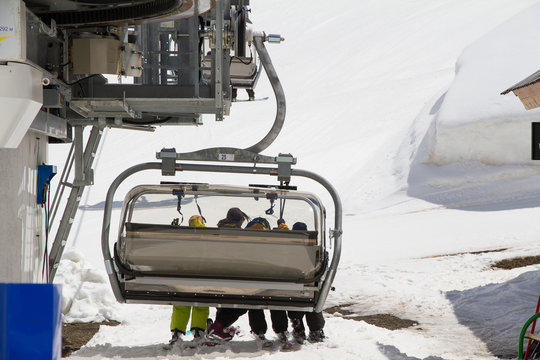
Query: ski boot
x=299 y=332
x=262 y=340
x=284 y=341
x=175 y=338
x=316 y=336
x=217 y=333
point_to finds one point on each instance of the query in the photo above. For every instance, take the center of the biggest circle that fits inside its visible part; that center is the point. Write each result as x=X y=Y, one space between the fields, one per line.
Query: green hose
x=522 y=334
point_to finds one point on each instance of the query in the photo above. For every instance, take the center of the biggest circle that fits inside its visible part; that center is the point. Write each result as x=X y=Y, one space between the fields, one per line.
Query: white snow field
x=398 y=104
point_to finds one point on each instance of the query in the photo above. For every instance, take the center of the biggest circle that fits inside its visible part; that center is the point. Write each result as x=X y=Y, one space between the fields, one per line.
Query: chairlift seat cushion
x=220 y=252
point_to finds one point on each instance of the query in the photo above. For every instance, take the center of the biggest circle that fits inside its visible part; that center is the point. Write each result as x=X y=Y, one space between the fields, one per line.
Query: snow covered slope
x=429 y=159
x=474 y=122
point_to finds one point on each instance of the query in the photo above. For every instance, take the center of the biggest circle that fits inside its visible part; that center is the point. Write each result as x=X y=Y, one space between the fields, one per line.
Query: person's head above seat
x=235 y=217
x=196 y=221
x=259 y=223
x=299 y=226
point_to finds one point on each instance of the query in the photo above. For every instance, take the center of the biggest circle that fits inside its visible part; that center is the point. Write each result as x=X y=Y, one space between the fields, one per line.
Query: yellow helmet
x=196 y=221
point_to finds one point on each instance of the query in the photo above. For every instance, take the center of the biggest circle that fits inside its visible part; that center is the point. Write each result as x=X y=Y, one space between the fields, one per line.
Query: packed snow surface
x=397 y=103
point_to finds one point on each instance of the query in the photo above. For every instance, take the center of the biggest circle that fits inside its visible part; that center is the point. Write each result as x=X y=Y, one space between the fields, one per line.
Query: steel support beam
x=77 y=189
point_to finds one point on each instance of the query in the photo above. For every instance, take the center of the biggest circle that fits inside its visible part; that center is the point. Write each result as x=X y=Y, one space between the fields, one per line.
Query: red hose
x=532 y=330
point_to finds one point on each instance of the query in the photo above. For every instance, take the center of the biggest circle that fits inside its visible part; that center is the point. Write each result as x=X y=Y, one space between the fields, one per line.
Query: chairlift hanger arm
x=258 y=41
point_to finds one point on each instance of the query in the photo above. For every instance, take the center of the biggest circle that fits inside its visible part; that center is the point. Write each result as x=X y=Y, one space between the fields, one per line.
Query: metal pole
x=79 y=141
x=105 y=230
x=218 y=58
x=337 y=232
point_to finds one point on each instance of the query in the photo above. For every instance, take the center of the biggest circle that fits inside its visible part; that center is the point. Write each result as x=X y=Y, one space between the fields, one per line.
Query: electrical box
x=45 y=174
x=96 y=56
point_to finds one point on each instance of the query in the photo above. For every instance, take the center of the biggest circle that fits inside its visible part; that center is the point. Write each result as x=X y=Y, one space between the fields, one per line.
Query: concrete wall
x=22 y=236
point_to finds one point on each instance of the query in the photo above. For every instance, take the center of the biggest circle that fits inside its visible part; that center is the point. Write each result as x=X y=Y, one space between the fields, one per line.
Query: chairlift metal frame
x=285 y=293
x=295 y=294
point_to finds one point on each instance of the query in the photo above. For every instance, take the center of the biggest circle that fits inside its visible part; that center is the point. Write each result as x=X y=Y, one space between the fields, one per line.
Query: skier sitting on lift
x=235 y=218
x=180 y=314
x=315 y=320
x=221 y=329
x=257 y=321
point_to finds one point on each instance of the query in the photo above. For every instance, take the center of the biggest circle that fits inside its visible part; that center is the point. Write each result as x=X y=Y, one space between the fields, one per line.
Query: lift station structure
x=186 y=58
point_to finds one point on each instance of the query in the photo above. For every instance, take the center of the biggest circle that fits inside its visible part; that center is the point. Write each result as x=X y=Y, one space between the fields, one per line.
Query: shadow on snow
x=495 y=313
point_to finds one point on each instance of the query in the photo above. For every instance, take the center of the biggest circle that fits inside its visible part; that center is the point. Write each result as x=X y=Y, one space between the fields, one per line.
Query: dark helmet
x=299 y=226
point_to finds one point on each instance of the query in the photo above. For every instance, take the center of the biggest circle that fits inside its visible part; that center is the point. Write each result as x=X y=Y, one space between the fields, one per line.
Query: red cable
x=532 y=330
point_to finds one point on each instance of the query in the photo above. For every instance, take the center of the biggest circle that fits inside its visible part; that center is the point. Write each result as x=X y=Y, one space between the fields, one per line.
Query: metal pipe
x=523 y=332
x=218 y=59
x=278 y=91
x=532 y=329
x=337 y=231
x=79 y=167
x=109 y=266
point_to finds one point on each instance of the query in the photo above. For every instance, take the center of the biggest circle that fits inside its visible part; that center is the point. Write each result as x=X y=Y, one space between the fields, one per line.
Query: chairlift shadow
x=250 y=348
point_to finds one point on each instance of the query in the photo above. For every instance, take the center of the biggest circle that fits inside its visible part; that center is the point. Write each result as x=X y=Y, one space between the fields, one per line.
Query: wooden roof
x=534 y=78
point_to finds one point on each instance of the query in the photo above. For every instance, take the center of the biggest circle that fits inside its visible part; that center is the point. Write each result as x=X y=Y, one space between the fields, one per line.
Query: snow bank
x=86 y=292
x=474 y=121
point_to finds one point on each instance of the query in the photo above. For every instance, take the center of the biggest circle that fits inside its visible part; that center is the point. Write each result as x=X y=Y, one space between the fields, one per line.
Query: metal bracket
x=284 y=162
x=228 y=154
x=168 y=157
x=335 y=233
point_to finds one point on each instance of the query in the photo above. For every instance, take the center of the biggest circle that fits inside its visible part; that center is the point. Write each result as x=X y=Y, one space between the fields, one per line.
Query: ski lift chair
x=159 y=261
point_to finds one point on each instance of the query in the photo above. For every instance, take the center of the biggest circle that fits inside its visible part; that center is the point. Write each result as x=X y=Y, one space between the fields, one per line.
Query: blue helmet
x=261 y=221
